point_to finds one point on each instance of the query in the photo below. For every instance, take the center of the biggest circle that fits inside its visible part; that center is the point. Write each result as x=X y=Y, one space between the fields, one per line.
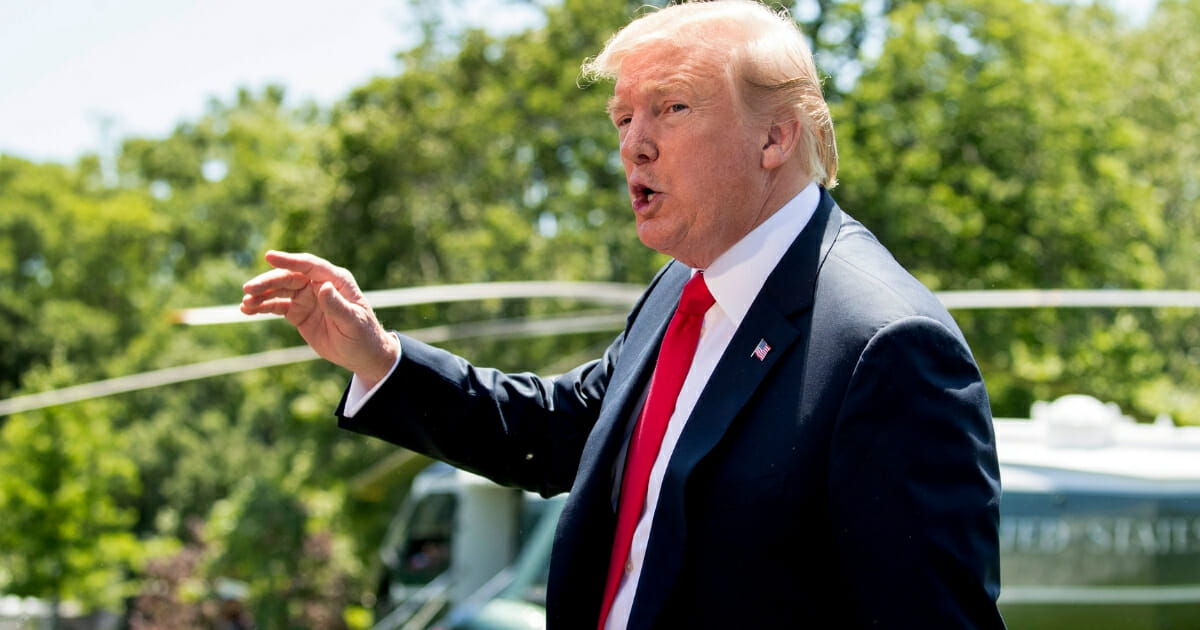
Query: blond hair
x=764 y=54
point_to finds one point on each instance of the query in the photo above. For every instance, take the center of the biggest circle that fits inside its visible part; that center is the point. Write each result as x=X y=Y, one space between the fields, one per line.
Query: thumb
x=334 y=303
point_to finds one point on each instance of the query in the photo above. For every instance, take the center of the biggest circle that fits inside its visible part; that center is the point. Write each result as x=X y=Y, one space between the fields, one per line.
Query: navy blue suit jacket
x=848 y=479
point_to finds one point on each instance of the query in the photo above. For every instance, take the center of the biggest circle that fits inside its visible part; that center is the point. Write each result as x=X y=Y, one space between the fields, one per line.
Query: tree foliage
x=65 y=489
x=993 y=145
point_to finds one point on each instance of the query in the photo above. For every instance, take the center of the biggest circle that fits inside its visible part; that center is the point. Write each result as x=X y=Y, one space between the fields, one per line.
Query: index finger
x=315 y=267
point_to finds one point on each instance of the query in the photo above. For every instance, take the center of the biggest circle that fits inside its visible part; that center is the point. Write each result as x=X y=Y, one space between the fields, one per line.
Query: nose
x=637 y=144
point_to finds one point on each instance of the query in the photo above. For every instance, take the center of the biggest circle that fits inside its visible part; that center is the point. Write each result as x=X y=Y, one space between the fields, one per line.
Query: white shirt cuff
x=359 y=394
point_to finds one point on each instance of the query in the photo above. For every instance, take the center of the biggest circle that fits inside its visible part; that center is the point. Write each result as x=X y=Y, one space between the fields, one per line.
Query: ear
x=781 y=141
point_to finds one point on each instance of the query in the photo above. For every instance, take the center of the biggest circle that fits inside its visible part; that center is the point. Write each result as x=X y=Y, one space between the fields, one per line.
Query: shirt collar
x=736 y=276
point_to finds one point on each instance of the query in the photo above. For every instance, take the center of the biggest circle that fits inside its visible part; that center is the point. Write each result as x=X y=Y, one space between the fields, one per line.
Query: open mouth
x=643 y=195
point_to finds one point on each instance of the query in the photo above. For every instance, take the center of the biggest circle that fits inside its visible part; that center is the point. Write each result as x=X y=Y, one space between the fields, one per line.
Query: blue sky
x=78 y=75
x=75 y=74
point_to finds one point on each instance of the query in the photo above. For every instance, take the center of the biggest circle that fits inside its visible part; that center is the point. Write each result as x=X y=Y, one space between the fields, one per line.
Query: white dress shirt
x=734 y=279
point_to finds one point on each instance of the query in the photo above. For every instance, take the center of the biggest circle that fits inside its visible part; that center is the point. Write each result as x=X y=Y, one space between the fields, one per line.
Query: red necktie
x=674 y=361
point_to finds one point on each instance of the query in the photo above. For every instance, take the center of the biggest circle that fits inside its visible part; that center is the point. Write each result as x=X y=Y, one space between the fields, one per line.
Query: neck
x=780 y=188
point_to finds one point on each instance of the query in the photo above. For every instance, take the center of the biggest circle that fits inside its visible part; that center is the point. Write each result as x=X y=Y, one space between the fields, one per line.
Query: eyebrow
x=614 y=103
x=675 y=83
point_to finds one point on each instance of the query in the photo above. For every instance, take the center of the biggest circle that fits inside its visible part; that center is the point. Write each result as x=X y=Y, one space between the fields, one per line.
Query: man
x=821 y=456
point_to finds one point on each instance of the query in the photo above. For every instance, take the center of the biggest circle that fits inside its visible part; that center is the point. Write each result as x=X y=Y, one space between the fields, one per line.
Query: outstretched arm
x=326 y=306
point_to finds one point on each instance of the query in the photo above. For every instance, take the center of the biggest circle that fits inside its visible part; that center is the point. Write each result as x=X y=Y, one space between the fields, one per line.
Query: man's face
x=694 y=165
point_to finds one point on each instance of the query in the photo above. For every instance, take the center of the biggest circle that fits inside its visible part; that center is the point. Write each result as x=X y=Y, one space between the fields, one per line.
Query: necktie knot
x=696 y=299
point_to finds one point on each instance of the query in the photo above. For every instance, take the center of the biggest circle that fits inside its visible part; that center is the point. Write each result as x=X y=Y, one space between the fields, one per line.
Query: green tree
x=989 y=147
x=65 y=533
x=485 y=163
x=70 y=253
x=1161 y=94
x=242 y=449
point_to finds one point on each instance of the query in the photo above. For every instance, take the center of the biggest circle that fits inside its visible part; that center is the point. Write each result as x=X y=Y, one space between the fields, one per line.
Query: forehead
x=666 y=67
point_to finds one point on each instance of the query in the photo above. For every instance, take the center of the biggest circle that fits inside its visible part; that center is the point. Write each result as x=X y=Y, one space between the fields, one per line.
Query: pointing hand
x=326 y=306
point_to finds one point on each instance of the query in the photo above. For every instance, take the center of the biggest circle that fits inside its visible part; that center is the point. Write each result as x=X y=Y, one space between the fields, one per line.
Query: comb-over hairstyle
x=765 y=57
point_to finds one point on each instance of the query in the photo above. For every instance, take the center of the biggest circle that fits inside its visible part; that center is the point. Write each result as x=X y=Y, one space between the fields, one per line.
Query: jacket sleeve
x=914 y=483
x=517 y=429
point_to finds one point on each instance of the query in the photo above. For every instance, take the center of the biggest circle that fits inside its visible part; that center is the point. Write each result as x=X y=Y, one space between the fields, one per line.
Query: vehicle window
x=427 y=550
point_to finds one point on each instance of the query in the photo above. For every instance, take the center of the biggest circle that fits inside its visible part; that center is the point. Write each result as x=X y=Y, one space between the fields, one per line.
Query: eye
x=621 y=121
x=675 y=108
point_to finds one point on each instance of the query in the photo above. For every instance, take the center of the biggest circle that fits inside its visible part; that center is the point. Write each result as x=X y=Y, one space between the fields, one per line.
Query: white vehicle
x=1100 y=519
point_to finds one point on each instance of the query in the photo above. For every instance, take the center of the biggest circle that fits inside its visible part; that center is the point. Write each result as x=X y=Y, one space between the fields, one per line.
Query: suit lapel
x=786 y=296
x=639 y=351
x=583 y=539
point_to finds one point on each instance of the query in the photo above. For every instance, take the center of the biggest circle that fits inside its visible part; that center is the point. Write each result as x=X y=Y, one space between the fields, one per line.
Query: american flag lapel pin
x=761 y=350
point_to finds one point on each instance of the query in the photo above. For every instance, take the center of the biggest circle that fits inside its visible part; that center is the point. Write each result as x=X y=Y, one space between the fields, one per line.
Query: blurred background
x=150 y=152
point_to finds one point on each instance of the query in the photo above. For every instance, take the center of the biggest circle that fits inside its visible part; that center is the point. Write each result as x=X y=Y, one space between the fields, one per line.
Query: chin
x=666 y=242
x=655 y=240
